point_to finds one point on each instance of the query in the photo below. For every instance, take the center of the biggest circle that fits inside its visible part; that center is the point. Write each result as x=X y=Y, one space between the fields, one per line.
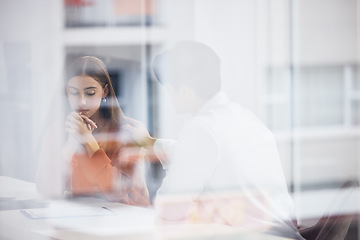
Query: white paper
x=66 y=212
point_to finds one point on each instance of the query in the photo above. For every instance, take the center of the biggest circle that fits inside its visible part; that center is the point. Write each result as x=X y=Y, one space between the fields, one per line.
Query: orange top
x=106 y=173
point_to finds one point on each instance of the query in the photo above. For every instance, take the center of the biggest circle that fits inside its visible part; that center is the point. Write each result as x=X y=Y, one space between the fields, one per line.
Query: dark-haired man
x=225 y=161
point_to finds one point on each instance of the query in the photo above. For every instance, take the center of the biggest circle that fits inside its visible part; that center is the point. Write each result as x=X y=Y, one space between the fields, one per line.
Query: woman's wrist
x=70 y=147
x=91 y=145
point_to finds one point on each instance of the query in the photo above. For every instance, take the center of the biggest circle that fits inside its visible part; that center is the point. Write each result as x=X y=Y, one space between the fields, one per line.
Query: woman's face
x=85 y=95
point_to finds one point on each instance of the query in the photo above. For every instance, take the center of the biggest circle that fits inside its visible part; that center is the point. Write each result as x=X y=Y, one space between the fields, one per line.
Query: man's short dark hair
x=192 y=64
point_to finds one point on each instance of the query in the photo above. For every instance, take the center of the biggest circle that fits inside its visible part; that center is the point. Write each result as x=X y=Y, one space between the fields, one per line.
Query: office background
x=294 y=63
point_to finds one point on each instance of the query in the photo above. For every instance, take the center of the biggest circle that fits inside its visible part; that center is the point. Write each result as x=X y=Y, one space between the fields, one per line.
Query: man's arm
x=159 y=149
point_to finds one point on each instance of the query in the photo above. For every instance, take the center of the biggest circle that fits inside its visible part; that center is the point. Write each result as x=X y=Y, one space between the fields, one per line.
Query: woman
x=94 y=160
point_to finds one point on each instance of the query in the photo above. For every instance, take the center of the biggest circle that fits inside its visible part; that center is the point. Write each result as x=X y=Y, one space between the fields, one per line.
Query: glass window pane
x=319 y=96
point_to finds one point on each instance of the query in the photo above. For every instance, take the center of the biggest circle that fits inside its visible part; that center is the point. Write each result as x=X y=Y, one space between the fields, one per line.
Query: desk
x=127 y=222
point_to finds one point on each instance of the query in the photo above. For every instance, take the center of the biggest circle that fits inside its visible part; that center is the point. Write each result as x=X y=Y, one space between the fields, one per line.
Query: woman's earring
x=104 y=100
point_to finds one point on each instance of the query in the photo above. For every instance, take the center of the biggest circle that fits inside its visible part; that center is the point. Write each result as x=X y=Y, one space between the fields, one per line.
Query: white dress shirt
x=226 y=148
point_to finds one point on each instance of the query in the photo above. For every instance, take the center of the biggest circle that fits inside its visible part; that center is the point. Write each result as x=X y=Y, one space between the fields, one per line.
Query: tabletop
x=25 y=215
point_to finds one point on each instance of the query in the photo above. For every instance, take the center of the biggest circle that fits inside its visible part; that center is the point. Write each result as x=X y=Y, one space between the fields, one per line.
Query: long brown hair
x=93 y=67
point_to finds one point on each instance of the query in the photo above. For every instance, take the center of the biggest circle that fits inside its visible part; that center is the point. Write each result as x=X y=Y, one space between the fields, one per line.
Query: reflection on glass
x=314 y=106
x=95 y=13
x=224 y=168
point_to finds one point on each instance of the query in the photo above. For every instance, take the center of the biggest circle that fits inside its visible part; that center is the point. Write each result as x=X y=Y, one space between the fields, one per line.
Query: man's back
x=226 y=151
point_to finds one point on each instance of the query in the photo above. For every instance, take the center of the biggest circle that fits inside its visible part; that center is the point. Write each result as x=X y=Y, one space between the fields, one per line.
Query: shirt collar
x=218 y=99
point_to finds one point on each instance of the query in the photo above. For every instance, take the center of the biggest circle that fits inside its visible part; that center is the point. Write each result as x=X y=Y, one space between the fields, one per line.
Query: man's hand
x=139 y=133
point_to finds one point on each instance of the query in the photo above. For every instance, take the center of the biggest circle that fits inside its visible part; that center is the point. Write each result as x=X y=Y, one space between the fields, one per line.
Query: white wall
x=31 y=64
x=229 y=27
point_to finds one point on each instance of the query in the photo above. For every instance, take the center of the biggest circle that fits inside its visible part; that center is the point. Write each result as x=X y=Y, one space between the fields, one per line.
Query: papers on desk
x=10 y=203
x=45 y=213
